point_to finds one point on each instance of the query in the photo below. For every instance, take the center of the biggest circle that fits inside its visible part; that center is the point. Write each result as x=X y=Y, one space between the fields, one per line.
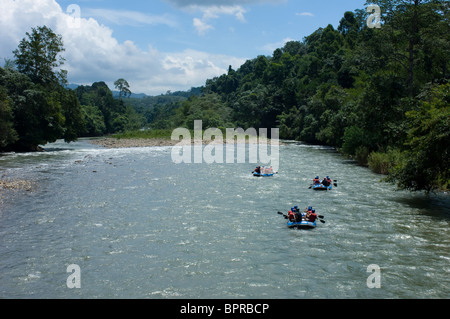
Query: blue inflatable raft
x=321 y=187
x=262 y=175
x=302 y=225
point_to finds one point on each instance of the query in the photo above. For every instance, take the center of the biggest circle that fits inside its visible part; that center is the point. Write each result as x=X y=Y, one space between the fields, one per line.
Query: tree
x=417 y=31
x=38 y=56
x=7 y=133
x=123 y=87
x=74 y=125
x=426 y=161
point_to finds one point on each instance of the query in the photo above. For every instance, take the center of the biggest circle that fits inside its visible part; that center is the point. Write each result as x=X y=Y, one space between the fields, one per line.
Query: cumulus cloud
x=133 y=18
x=214 y=12
x=93 y=54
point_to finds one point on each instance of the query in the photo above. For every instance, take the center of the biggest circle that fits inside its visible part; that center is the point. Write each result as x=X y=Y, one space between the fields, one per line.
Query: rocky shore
x=17 y=185
x=110 y=142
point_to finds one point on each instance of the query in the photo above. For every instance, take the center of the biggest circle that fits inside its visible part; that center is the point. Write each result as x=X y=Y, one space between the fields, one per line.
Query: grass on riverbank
x=167 y=135
x=145 y=134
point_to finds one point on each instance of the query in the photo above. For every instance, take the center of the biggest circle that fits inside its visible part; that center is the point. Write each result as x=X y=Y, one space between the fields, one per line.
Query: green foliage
x=384 y=163
x=123 y=87
x=209 y=108
x=426 y=160
x=75 y=124
x=94 y=122
x=104 y=114
x=38 y=54
x=8 y=134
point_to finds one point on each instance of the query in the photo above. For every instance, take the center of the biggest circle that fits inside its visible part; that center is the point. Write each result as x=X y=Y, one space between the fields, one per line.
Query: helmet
x=309 y=207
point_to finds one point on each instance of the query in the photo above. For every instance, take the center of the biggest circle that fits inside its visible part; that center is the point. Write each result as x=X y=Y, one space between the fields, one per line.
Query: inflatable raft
x=262 y=175
x=321 y=187
x=302 y=225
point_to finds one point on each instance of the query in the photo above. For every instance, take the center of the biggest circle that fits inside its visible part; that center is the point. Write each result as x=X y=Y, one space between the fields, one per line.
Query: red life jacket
x=291 y=216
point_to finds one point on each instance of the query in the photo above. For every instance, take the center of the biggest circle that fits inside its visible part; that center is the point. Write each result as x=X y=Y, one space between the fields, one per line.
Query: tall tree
x=39 y=54
x=123 y=87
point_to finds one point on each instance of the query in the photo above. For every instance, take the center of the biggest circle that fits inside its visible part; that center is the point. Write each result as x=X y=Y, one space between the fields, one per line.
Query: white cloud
x=305 y=14
x=133 y=18
x=93 y=54
x=201 y=26
x=214 y=12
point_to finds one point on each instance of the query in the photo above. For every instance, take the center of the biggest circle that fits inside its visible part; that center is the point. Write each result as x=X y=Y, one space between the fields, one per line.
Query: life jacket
x=291 y=216
x=312 y=217
x=316 y=181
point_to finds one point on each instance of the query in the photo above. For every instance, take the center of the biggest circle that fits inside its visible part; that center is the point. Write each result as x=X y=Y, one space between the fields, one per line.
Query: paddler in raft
x=326 y=181
x=311 y=215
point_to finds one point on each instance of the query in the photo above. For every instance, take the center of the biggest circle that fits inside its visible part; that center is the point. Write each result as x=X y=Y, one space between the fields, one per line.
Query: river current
x=140 y=226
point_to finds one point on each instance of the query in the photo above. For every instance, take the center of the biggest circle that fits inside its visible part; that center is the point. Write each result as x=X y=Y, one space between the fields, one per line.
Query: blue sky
x=165 y=45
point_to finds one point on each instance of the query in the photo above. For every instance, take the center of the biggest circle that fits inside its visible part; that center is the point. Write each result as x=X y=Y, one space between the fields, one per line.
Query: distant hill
x=133 y=95
x=193 y=91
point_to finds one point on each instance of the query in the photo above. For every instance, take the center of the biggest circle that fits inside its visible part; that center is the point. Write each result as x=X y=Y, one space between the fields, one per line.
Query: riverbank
x=114 y=142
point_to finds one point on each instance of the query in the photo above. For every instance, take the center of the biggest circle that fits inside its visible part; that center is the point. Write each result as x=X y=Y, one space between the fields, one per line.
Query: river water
x=140 y=226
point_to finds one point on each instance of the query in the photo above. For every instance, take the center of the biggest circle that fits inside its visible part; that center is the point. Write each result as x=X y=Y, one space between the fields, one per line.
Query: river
x=140 y=226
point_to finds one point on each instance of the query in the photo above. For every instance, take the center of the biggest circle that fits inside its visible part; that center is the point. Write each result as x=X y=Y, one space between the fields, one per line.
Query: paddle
x=285 y=216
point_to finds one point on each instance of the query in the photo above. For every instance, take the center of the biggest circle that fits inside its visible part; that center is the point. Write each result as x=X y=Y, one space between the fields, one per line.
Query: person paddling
x=312 y=216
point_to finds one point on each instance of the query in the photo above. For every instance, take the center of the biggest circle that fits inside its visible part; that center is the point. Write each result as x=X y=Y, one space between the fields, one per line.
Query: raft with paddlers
x=262 y=171
x=302 y=220
x=326 y=184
